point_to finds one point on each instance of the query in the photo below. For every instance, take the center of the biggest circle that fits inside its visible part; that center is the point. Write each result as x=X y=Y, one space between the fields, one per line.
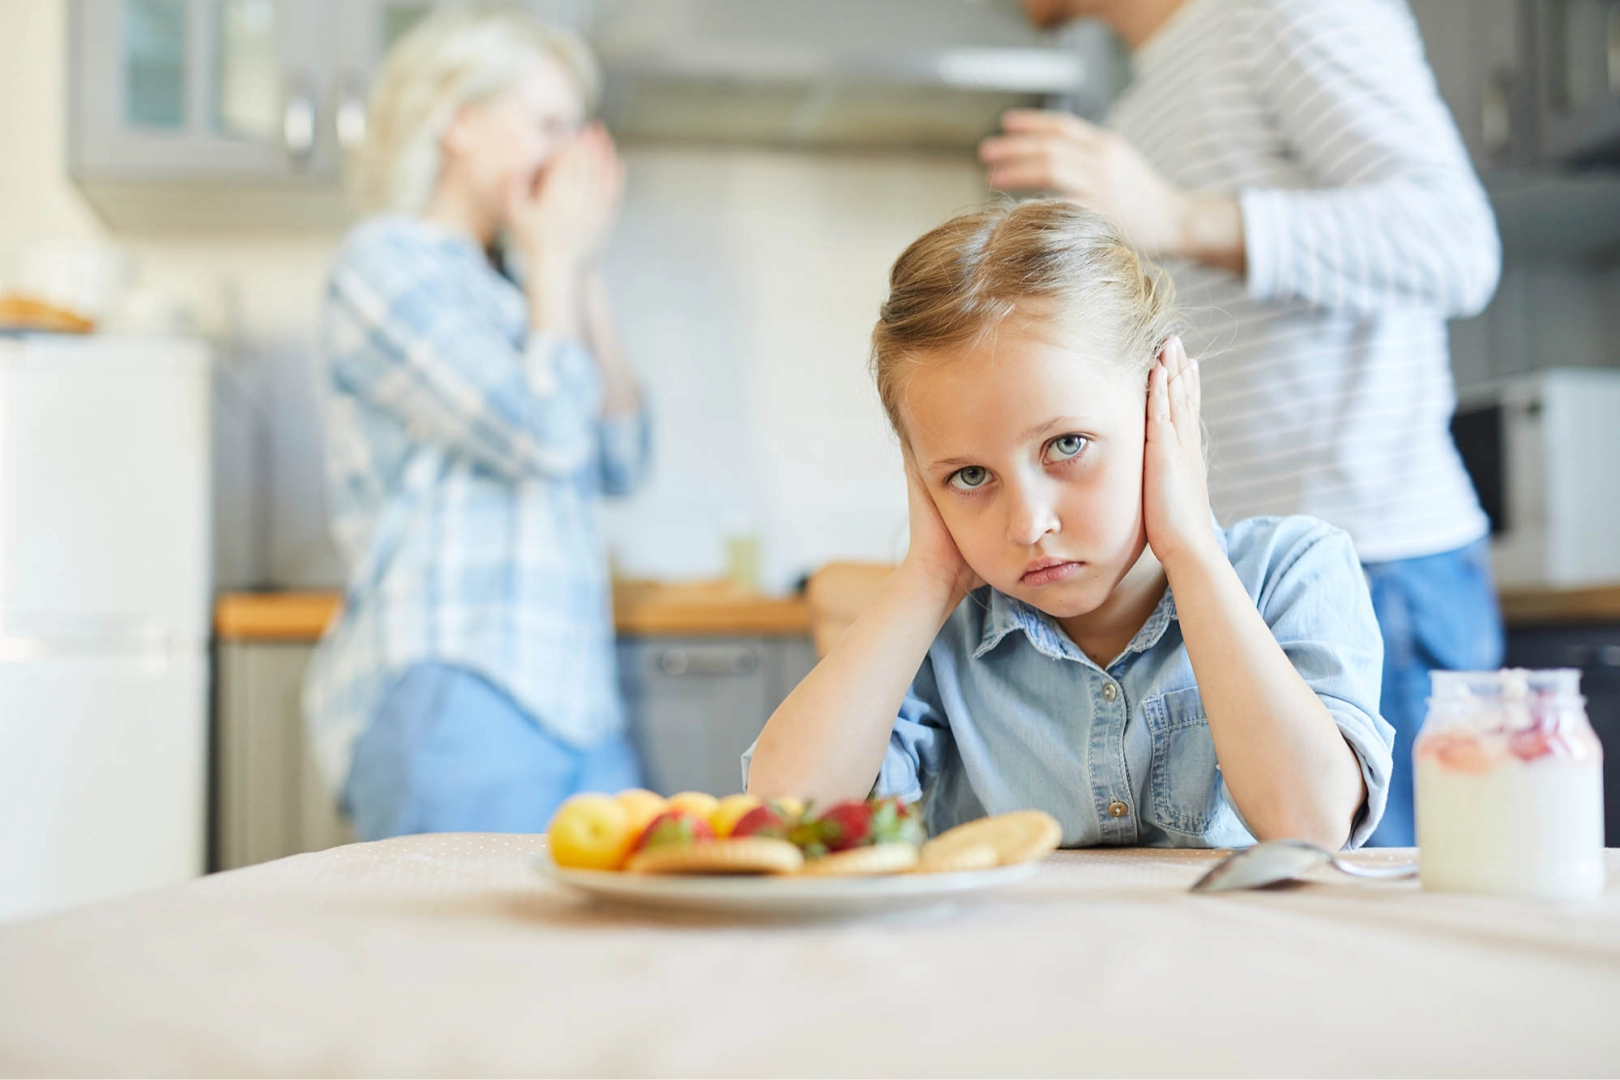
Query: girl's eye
x=969 y=478
x=1065 y=447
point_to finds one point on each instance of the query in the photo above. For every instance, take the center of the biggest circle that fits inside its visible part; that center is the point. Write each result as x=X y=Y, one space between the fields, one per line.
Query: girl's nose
x=1029 y=518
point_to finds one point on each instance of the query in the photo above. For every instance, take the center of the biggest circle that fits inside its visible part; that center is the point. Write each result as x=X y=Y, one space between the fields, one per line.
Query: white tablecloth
x=450 y=955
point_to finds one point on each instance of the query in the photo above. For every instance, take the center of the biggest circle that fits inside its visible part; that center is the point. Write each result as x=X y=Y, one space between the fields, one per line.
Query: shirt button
x=1110 y=692
x=1118 y=809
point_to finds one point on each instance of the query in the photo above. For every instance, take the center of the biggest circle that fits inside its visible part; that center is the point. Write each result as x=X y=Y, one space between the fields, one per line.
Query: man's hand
x=1098 y=169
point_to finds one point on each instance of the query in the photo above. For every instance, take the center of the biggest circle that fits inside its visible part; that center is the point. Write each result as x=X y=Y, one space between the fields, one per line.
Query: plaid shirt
x=466 y=460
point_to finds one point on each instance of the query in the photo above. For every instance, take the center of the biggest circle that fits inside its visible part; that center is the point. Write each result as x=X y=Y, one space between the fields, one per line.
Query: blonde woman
x=474 y=422
x=1070 y=630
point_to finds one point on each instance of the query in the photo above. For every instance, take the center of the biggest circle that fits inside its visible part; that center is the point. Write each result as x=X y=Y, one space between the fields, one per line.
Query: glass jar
x=1509 y=779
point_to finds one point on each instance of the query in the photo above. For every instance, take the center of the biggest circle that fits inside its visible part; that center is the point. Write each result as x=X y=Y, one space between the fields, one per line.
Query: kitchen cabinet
x=1530 y=82
x=1478 y=52
x=216 y=112
x=695 y=703
x=198 y=88
x=1577 y=86
x=269 y=799
x=1492 y=70
x=1593 y=648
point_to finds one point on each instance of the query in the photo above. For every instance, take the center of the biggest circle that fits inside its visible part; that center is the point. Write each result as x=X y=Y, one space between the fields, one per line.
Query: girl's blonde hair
x=963 y=279
x=454 y=58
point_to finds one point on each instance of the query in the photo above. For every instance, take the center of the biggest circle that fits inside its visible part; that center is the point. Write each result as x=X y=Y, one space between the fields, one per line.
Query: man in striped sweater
x=1290 y=162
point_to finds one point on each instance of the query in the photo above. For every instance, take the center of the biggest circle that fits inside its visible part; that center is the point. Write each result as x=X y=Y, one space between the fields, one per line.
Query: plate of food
x=744 y=855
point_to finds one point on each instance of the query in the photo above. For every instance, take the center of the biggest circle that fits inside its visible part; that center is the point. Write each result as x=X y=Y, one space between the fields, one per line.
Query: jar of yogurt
x=1509 y=781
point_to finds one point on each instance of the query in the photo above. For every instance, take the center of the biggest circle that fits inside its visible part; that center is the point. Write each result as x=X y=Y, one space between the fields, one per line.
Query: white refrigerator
x=104 y=617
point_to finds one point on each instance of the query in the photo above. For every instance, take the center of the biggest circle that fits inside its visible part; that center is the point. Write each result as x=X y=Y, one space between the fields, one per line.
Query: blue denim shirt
x=1006 y=713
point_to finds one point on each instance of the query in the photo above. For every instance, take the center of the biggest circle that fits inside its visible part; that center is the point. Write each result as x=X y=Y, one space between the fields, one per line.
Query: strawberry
x=845 y=825
x=855 y=823
x=766 y=820
x=673 y=828
x=1458 y=752
x=1530 y=744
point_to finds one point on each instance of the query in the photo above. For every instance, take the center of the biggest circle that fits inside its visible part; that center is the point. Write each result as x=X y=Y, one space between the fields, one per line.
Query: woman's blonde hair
x=454 y=58
x=963 y=279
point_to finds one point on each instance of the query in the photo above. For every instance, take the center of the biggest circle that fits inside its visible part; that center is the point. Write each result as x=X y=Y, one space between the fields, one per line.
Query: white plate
x=771 y=895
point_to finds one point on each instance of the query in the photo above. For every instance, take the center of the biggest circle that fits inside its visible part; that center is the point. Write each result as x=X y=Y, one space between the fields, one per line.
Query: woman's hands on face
x=1175 y=491
x=932 y=552
x=562 y=223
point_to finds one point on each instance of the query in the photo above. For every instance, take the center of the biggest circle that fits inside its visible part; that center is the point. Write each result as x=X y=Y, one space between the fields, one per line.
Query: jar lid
x=1507 y=684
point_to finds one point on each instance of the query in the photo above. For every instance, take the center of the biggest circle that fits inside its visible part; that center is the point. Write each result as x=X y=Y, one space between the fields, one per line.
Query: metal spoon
x=1281 y=860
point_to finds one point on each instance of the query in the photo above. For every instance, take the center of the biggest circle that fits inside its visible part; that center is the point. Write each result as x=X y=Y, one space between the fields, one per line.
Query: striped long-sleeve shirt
x=1327 y=383
x=466 y=460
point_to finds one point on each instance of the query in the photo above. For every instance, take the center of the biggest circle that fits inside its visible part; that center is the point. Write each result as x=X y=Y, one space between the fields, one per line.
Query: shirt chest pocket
x=1184 y=780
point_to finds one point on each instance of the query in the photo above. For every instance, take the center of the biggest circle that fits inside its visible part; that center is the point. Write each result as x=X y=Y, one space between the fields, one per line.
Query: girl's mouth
x=1049 y=571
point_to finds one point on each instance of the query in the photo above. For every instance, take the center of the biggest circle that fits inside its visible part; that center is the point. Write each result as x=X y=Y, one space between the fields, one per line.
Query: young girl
x=1090 y=642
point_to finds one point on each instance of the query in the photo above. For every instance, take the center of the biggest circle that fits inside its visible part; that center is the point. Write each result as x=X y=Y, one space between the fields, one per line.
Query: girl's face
x=1031 y=445
x=510 y=138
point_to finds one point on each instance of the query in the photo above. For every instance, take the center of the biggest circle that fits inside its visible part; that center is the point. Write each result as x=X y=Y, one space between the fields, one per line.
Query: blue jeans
x=450 y=752
x=1438 y=612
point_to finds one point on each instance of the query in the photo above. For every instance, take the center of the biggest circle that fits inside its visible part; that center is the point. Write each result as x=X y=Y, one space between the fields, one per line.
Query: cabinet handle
x=678 y=662
x=1614 y=49
x=1496 y=113
x=351 y=124
x=350 y=119
x=1594 y=656
x=298 y=123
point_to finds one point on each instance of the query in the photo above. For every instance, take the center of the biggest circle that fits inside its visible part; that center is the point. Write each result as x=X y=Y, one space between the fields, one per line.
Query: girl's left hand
x=1175 y=492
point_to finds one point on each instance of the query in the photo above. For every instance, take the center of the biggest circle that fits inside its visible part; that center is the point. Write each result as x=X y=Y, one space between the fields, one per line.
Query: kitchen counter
x=1545 y=607
x=718 y=608
x=451 y=955
x=639 y=608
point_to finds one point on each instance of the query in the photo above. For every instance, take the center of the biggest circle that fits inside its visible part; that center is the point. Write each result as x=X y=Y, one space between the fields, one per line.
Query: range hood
x=838 y=73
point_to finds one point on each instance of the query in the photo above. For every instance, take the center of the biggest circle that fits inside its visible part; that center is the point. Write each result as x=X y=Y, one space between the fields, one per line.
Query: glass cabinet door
x=201 y=88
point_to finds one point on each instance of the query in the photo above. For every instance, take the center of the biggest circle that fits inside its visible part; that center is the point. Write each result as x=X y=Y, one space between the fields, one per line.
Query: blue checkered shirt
x=466 y=462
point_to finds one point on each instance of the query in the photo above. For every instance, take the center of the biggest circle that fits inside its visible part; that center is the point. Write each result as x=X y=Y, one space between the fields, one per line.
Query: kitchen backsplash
x=745 y=283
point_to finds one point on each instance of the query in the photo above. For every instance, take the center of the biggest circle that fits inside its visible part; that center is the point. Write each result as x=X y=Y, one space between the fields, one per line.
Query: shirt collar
x=1003 y=615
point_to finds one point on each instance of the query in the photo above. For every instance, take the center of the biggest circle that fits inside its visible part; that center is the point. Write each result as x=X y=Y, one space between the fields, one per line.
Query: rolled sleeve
x=1318 y=607
x=1396 y=217
x=626 y=451
x=1372 y=739
x=917 y=743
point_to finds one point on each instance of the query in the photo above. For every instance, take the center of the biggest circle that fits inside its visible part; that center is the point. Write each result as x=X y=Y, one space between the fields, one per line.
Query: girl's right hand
x=562 y=223
x=932 y=552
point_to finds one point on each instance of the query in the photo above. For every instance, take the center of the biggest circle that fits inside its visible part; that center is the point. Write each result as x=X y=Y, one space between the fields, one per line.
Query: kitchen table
x=450 y=955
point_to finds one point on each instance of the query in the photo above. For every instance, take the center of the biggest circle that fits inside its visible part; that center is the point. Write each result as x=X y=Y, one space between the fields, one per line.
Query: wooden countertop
x=720 y=608
x=705 y=608
x=1539 y=607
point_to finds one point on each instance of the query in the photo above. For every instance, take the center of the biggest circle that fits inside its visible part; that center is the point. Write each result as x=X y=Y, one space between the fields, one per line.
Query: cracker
x=863 y=861
x=1021 y=836
x=957 y=859
x=744 y=855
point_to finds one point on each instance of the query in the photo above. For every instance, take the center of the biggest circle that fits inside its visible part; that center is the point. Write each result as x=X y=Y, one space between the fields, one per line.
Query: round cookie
x=1021 y=836
x=959 y=859
x=863 y=861
x=747 y=855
